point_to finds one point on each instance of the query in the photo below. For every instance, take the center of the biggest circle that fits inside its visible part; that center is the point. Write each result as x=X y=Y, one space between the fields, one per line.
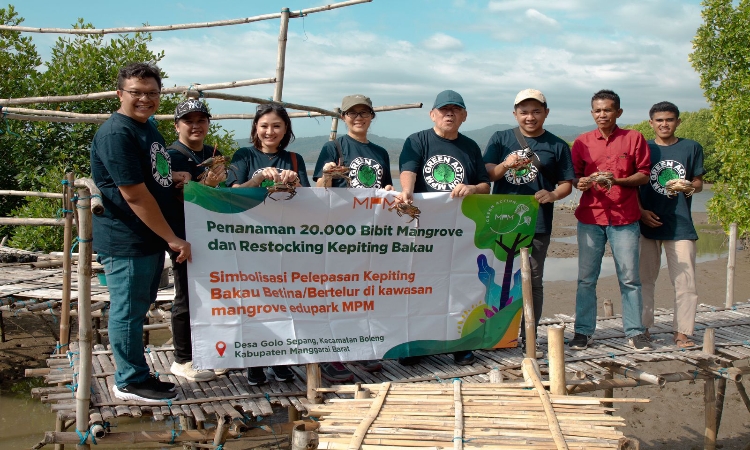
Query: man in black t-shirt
x=131 y=167
x=441 y=159
x=547 y=176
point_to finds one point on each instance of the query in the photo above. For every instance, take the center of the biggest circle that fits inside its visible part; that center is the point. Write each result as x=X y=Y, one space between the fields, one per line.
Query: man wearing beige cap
x=546 y=173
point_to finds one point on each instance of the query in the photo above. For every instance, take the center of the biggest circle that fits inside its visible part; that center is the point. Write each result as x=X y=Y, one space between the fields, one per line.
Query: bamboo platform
x=468 y=416
x=588 y=370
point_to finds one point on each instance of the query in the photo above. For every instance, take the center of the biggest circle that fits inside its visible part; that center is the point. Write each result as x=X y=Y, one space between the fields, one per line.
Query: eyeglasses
x=355 y=114
x=138 y=94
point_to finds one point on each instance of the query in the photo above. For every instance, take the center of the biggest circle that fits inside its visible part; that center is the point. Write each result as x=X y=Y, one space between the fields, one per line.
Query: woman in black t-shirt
x=267 y=162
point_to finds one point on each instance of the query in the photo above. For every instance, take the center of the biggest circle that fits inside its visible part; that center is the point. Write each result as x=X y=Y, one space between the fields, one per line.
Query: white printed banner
x=339 y=275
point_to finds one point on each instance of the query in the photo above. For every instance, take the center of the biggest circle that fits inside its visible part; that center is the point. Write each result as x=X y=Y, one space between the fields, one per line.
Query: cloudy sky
x=406 y=51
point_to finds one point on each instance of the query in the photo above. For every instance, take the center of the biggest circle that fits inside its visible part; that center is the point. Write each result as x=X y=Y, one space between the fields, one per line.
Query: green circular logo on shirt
x=444 y=173
x=663 y=171
x=367 y=176
x=160 y=165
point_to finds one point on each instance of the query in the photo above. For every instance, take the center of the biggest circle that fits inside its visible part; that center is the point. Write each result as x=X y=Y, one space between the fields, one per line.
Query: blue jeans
x=133 y=282
x=624 y=241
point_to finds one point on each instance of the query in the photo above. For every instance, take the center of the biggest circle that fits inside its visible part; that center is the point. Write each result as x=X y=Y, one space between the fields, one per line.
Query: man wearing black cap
x=191 y=121
x=441 y=159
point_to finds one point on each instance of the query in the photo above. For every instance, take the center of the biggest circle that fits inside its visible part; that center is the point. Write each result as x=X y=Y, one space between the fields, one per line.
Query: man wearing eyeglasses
x=441 y=159
x=131 y=167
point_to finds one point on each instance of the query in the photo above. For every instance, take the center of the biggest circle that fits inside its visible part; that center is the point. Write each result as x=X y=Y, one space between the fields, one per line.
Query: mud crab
x=679 y=185
x=288 y=187
x=603 y=179
x=410 y=210
x=213 y=163
x=522 y=165
x=336 y=172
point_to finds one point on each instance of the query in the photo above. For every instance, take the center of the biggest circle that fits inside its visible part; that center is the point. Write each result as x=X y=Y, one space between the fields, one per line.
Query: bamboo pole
x=83 y=392
x=609 y=393
x=32 y=194
x=709 y=396
x=637 y=374
x=97 y=207
x=313 y=383
x=113 y=94
x=531 y=370
x=556 y=356
x=281 y=55
x=335 y=125
x=731 y=264
x=458 y=426
x=261 y=101
x=743 y=394
x=32 y=221
x=67 y=266
x=528 y=304
x=131 y=437
x=609 y=309
x=185 y=26
x=364 y=425
x=68 y=117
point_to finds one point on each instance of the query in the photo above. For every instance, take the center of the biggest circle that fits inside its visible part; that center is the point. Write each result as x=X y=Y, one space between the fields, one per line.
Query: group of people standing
x=144 y=215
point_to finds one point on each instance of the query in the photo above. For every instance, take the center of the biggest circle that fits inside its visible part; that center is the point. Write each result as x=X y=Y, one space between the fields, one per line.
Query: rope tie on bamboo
x=63 y=182
x=462 y=439
x=695 y=375
x=72 y=388
x=83 y=437
x=7 y=126
x=268 y=397
x=59 y=347
x=611 y=355
x=61 y=212
x=734 y=307
x=52 y=312
x=301 y=14
x=175 y=434
x=746 y=342
x=167 y=401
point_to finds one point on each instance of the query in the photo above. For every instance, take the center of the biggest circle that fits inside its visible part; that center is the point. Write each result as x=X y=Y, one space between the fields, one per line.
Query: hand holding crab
x=408 y=209
x=216 y=172
x=679 y=185
x=603 y=179
x=332 y=171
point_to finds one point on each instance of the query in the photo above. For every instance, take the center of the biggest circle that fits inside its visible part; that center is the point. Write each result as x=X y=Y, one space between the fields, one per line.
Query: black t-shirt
x=126 y=152
x=553 y=158
x=369 y=164
x=249 y=160
x=683 y=160
x=442 y=164
x=183 y=163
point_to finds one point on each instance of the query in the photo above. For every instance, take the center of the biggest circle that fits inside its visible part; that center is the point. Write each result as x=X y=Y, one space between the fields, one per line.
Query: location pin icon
x=220 y=347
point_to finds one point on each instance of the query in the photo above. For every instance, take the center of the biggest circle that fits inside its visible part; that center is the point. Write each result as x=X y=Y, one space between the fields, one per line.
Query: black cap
x=189 y=106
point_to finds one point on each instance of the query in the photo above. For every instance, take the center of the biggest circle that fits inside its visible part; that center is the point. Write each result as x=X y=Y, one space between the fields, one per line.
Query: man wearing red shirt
x=609 y=214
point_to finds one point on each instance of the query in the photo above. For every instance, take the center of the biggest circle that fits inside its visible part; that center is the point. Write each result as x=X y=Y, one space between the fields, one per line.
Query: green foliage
x=722 y=58
x=46 y=239
x=696 y=126
x=36 y=154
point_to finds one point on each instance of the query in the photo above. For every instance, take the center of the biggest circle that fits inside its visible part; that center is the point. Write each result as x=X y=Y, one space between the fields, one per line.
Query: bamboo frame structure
x=186 y=26
x=83 y=391
x=5 y=102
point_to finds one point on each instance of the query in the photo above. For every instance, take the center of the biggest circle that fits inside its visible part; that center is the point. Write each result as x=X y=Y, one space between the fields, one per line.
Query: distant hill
x=309 y=147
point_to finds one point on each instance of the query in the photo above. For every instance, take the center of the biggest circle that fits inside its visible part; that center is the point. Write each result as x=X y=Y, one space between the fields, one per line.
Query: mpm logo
x=373 y=202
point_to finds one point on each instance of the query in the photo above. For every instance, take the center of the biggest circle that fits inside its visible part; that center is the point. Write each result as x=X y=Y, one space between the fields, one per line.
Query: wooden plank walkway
x=232 y=395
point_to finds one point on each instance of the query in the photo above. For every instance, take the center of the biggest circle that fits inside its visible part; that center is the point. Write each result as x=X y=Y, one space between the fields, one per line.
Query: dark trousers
x=539 y=247
x=183 y=345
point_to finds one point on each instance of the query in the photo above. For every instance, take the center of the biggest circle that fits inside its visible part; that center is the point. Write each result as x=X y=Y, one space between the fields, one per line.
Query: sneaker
x=464 y=358
x=640 y=343
x=220 y=372
x=142 y=392
x=187 y=371
x=282 y=373
x=155 y=383
x=335 y=372
x=369 y=365
x=580 y=342
x=256 y=376
x=409 y=360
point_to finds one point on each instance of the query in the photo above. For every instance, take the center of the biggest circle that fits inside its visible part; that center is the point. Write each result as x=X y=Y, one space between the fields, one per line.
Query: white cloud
x=538 y=17
x=442 y=42
x=516 y=5
x=568 y=65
